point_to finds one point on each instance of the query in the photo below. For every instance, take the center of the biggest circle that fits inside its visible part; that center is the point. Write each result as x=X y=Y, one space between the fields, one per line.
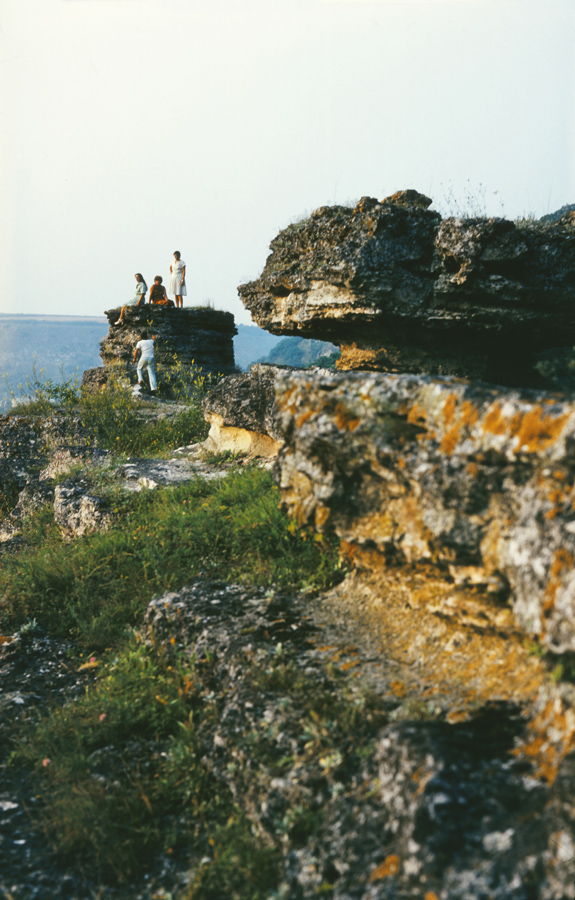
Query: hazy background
x=131 y=128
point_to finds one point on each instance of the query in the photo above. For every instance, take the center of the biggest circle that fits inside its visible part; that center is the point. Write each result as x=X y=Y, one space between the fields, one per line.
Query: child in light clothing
x=145 y=346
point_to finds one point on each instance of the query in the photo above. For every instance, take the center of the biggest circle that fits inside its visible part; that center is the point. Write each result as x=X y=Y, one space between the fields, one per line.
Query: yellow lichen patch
x=562 y=562
x=535 y=431
x=322 y=514
x=449 y=408
x=450 y=439
x=430 y=895
x=469 y=413
x=445 y=654
x=494 y=422
x=344 y=420
x=416 y=415
x=349 y=665
x=551 y=737
x=390 y=866
x=472 y=469
x=303 y=418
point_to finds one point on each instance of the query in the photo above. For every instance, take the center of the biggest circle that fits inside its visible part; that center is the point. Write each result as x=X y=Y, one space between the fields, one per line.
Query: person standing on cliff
x=178 y=279
x=145 y=347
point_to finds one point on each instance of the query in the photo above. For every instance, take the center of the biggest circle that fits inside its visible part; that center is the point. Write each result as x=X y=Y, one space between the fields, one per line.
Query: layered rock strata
x=242 y=414
x=202 y=336
x=409 y=471
x=398 y=289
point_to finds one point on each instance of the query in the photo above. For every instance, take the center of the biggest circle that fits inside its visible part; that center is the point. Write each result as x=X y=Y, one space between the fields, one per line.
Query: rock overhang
x=400 y=289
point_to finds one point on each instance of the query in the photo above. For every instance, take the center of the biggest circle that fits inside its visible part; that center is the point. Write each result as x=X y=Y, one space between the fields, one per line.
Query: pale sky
x=133 y=128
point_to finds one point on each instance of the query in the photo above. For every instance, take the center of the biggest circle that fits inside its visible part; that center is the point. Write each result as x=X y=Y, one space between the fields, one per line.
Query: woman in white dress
x=178 y=278
x=138 y=298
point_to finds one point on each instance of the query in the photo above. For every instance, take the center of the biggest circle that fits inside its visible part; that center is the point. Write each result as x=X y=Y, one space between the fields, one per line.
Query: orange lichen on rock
x=303 y=418
x=416 y=415
x=469 y=413
x=562 y=562
x=322 y=514
x=344 y=420
x=390 y=866
x=494 y=422
x=535 y=430
x=450 y=439
x=551 y=738
x=449 y=408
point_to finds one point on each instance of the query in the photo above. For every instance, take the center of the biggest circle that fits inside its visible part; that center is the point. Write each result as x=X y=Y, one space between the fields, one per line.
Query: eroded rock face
x=242 y=414
x=405 y=804
x=77 y=511
x=28 y=442
x=412 y=470
x=203 y=336
x=398 y=289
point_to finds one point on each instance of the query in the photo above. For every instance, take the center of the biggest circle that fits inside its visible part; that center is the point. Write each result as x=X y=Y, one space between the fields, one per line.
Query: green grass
x=114 y=420
x=122 y=776
x=229 y=529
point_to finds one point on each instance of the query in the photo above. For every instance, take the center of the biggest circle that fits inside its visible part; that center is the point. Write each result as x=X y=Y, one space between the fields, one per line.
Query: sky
x=133 y=128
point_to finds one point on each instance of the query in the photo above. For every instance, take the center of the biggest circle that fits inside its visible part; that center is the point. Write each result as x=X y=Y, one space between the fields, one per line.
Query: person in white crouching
x=145 y=347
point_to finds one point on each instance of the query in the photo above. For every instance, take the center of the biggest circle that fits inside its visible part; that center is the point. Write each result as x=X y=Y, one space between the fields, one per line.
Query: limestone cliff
x=409 y=470
x=202 y=335
x=398 y=289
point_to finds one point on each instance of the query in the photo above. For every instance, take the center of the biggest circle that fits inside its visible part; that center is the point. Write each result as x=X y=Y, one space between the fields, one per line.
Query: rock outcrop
x=415 y=800
x=242 y=415
x=202 y=336
x=474 y=481
x=77 y=511
x=398 y=289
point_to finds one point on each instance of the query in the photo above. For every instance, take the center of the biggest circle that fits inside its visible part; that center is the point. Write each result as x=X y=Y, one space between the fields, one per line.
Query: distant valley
x=60 y=347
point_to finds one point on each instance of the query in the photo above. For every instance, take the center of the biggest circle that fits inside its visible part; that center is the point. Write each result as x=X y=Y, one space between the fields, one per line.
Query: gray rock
x=436 y=471
x=414 y=807
x=78 y=512
x=242 y=415
x=201 y=336
x=399 y=290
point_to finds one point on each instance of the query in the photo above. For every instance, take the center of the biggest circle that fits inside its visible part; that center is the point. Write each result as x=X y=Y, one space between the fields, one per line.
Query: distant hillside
x=251 y=343
x=65 y=345
x=62 y=346
x=55 y=344
x=301 y=353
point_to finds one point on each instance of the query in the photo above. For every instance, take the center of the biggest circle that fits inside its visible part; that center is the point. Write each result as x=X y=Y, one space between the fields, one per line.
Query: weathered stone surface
x=28 y=442
x=400 y=290
x=419 y=470
x=203 y=336
x=77 y=511
x=94 y=380
x=438 y=805
x=242 y=415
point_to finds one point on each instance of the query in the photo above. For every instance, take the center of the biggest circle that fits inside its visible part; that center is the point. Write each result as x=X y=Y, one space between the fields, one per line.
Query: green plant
x=91 y=589
x=38 y=395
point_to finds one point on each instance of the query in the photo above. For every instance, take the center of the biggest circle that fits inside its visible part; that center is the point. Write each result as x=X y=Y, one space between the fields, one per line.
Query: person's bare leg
x=121 y=319
x=179 y=301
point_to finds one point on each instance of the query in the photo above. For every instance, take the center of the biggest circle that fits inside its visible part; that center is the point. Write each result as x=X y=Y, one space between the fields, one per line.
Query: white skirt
x=176 y=286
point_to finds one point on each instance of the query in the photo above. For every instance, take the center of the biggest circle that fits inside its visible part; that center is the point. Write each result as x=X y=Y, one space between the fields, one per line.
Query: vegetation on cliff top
x=139 y=725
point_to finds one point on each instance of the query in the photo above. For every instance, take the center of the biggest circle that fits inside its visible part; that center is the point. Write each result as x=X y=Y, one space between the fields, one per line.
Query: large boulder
x=411 y=471
x=398 y=289
x=202 y=336
x=242 y=415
